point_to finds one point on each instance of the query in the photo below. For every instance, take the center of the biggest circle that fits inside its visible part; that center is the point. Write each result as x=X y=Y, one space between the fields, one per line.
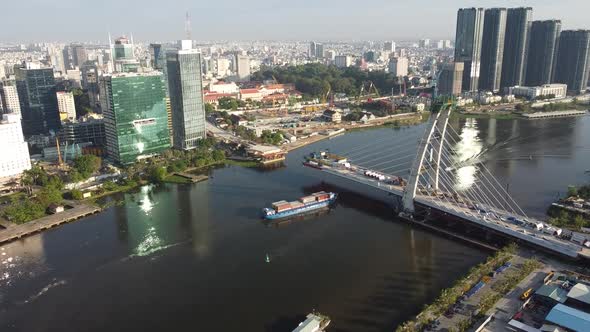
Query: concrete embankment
x=15 y=232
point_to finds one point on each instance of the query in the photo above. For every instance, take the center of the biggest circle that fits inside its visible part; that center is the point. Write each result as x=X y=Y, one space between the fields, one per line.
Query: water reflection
x=466 y=151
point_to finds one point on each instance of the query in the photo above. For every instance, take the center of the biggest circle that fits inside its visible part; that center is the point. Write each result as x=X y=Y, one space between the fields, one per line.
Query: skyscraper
x=186 y=97
x=518 y=24
x=398 y=66
x=544 y=40
x=136 y=122
x=124 y=56
x=38 y=102
x=573 y=60
x=312 y=49
x=389 y=46
x=450 y=79
x=155 y=51
x=468 y=40
x=78 y=55
x=319 y=51
x=492 y=49
x=243 y=67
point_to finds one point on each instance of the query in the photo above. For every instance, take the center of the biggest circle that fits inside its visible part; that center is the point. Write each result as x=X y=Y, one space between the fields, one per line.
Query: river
x=193 y=257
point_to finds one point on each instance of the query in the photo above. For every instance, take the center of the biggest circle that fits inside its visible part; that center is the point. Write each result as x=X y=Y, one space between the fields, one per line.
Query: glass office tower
x=136 y=122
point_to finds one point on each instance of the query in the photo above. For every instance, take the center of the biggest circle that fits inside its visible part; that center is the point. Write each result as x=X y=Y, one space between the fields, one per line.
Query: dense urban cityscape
x=444 y=183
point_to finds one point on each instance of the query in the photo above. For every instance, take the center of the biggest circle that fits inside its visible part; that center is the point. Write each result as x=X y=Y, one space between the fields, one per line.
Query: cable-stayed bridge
x=429 y=175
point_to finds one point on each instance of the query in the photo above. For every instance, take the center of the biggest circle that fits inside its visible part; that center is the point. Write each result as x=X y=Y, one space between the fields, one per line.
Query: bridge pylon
x=430 y=146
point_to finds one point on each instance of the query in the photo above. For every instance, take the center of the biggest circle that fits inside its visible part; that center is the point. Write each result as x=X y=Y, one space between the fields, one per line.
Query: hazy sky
x=45 y=20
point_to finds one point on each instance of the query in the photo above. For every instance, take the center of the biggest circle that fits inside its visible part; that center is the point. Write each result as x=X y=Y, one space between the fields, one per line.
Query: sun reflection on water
x=467 y=149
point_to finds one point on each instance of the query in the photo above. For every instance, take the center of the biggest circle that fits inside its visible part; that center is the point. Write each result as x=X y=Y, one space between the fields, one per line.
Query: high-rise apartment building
x=78 y=54
x=319 y=51
x=66 y=105
x=424 y=43
x=541 y=57
x=243 y=67
x=492 y=49
x=186 y=97
x=398 y=66
x=9 y=98
x=468 y=39
x=134 y=109
x=221 y=67
x=450 y=79
x=38 y=102
x=343 y=61
x=518 y=24
x=312 y=49
x=573 y=60
x=14 y=158
x=389 y=46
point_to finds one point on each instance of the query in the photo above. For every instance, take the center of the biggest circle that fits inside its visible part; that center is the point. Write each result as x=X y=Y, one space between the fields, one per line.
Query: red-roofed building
x=224 y=87
x=252 y=94
x=213 y=97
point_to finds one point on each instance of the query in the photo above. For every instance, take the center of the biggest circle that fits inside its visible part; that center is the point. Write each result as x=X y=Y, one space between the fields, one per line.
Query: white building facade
x=10 y=100
x=533 y=92
x=398 y=66
x=66 y=105
x=343 y=61
x=14 y=158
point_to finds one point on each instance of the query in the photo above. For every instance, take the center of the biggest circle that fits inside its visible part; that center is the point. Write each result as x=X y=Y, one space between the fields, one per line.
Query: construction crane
x=60 y=161
x=370 y=91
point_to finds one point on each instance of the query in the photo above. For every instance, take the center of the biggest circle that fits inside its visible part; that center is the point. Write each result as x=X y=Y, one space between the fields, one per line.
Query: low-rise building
x=252 y=94
x=332 y=115
x=534 y=92
x=224 y=87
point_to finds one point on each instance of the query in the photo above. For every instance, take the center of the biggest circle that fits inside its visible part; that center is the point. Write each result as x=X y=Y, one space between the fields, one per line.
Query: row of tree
x=315 y=80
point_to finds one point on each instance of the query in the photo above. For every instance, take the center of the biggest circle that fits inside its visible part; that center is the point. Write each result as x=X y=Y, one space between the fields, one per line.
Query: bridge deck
x=529 y=235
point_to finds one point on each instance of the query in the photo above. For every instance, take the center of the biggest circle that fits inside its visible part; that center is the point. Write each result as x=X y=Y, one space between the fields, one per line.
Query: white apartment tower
x=10 y=101
x=66 y=105
x=14 y=158
x=243 y=67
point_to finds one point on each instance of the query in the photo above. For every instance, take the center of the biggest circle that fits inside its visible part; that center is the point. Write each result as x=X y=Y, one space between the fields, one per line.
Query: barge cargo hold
x=283 y=209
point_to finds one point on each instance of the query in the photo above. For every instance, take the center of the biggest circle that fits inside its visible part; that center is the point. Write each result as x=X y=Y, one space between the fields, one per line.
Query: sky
x=323 y=20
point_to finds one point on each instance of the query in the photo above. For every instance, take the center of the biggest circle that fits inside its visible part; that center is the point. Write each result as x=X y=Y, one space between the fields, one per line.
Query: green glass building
x=136 y=121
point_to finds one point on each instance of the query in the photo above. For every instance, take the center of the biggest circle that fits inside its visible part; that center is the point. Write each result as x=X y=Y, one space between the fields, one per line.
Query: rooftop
x=569 y=318
x=580 y=292
x=554 y=292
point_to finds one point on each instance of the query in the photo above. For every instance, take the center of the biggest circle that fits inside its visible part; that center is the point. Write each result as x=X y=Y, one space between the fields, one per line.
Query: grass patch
x=242 y=163
x=177 y=179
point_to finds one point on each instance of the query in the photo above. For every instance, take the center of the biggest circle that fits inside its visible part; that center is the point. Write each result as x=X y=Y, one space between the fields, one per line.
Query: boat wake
x=45 y=290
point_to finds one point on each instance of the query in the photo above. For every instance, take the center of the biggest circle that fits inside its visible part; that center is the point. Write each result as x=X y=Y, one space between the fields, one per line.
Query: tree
x=87 y=164
x=228 y=103
x=218 y=156
x=157 y=174
x=48 y=196
x=82 y=102
x=209 y=108
x=572 y=191
x=76 y=194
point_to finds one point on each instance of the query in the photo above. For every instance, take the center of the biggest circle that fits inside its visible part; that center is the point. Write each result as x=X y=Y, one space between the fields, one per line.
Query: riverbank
x=451 y=295
x=14 y=232
x=397 y=120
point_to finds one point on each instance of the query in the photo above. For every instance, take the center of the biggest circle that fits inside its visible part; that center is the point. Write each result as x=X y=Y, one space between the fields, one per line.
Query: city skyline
x=302 y=20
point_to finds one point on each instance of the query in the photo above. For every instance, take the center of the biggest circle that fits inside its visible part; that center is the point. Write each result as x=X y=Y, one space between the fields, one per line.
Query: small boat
x=313 y=322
